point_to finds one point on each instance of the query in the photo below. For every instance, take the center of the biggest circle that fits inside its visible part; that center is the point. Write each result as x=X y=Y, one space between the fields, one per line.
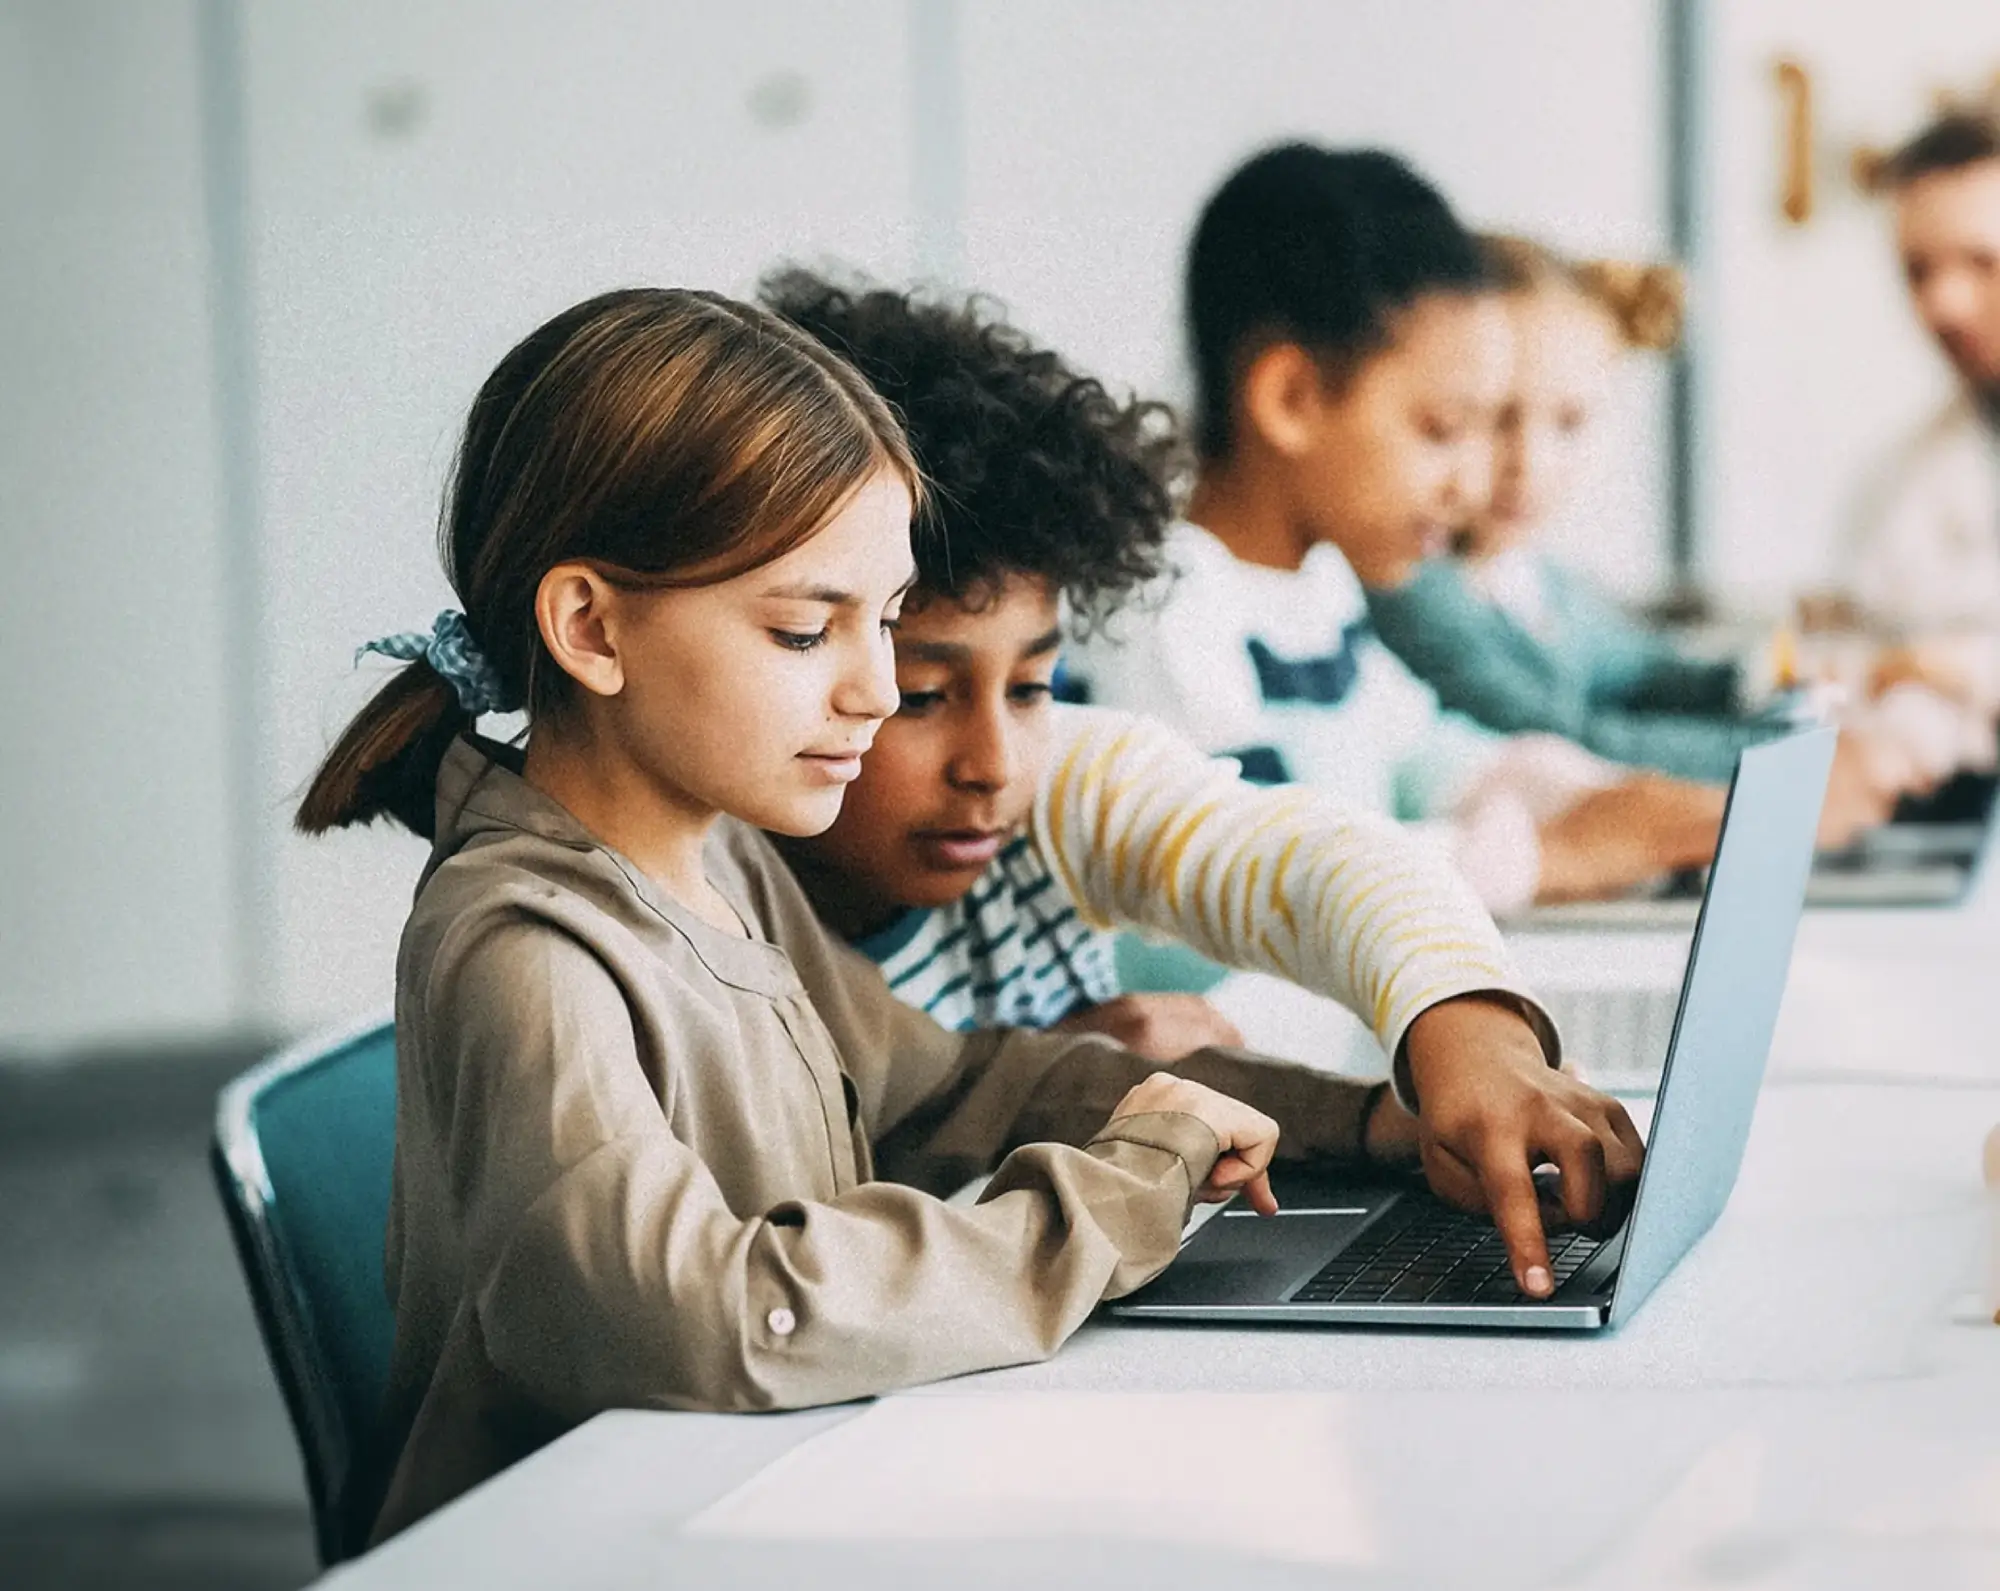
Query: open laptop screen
x=1734 y=984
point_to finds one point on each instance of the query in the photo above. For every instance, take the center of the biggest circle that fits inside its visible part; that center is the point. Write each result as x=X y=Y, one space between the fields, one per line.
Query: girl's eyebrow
x=804 y=591
x=832 y=596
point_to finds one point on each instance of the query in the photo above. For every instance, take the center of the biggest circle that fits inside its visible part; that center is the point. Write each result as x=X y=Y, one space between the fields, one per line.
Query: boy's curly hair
x=1033 y=469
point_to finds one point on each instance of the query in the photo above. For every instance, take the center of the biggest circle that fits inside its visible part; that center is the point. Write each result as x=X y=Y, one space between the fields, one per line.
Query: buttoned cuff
x=1176 y=1132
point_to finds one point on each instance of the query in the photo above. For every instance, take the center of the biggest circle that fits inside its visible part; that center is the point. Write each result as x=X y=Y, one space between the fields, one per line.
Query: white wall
x=118 y=888
x=1814 y=363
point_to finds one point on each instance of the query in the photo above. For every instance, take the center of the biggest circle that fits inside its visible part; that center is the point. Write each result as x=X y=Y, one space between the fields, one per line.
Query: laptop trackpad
x=1242 y=1257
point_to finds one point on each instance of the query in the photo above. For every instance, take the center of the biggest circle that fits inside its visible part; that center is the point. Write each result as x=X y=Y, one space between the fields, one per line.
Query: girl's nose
x=868 y=687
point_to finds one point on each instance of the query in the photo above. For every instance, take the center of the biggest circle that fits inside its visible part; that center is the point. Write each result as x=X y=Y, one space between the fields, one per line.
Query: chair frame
x=236 y=1157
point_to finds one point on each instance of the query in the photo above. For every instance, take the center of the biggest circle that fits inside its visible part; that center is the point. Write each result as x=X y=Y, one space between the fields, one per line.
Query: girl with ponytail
x=1520 y=643
x=660 y=1141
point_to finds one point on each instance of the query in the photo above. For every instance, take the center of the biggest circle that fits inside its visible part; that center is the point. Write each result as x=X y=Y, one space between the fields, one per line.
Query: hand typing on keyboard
x=1491 y=1110
x=1423 y=1252
x=1245 y=1137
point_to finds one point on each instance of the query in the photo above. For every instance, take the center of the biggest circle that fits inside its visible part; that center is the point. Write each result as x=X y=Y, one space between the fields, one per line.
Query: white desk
x=1796 y=1406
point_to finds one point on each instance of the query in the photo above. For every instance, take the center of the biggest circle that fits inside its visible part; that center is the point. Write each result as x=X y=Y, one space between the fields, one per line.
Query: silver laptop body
x=1242 y=1267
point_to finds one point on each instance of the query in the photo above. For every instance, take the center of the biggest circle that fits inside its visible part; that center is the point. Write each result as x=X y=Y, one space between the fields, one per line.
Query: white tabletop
x=1872 y=995
x=1811 y=1399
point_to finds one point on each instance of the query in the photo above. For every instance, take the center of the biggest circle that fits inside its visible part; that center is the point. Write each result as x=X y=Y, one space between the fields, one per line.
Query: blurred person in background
x=1351 y=365
x=1924 y=565
x=1522 y=643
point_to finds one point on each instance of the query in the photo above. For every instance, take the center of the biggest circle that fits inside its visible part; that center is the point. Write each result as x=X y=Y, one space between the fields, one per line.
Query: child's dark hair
x=1031 y=468
x=671 y=439
x=1964 y=135
x=1319 y=247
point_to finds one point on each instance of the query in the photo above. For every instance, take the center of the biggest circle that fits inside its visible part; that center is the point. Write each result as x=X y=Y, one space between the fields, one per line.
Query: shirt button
x=782 y=1322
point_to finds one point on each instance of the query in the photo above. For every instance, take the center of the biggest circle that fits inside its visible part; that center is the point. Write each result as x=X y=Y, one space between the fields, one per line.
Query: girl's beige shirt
x=643 y=1163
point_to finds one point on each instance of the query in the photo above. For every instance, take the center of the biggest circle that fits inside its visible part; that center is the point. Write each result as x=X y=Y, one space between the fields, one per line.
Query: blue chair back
x=303 y=1151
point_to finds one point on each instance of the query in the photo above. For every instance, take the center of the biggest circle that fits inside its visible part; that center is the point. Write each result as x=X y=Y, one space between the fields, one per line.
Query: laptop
x=1357 y=1251
x=1917 y=860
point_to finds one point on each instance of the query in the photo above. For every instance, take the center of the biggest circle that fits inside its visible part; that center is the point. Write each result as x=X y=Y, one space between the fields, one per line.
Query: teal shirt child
x=1595 y=675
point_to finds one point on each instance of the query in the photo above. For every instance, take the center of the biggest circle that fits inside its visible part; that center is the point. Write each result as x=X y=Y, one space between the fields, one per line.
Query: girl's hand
x=1248 y=1137
x=1161 y=1027
x=1634 y=832
x=1491 y=1110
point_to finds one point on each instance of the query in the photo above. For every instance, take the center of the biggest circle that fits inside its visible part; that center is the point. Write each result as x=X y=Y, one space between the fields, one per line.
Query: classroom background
x=257 y=257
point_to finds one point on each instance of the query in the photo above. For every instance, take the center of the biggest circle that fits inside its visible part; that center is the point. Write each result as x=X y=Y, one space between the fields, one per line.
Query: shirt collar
x=480 y=792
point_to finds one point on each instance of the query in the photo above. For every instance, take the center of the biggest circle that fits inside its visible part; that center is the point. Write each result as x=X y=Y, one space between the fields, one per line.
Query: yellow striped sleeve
x=1145 y=831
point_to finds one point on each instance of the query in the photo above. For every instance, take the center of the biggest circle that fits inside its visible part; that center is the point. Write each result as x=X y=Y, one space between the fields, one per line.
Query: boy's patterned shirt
x=1012 y=952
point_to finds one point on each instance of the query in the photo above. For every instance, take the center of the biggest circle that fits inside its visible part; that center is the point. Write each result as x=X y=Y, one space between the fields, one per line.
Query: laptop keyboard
x=1423 y=1252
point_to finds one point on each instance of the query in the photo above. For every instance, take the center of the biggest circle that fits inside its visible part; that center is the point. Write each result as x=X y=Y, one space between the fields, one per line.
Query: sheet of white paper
x=1249 y=1488
x=1080 y=1464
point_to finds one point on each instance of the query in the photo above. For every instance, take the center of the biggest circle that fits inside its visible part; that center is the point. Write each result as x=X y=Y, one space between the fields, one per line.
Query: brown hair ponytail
x=386 y=764
x=674 y=438
x=1646 y=302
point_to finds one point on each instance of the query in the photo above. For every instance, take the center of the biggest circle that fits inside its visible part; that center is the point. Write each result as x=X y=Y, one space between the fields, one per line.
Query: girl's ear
x=576 y=611
x=1284 y=394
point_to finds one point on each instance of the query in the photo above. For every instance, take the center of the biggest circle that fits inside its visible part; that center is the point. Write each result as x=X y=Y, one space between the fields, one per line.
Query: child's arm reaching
x=1632 y=667
x=1144 y=830
x=944 y=1106
x=1614 y=687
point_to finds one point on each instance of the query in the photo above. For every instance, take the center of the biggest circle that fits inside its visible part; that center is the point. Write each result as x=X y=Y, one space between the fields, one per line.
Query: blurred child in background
x=1521 y=643
x=1351 y=367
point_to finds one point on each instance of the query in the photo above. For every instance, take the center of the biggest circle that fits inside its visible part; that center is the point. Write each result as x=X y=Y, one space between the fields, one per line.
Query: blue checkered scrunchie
x=451 y=651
